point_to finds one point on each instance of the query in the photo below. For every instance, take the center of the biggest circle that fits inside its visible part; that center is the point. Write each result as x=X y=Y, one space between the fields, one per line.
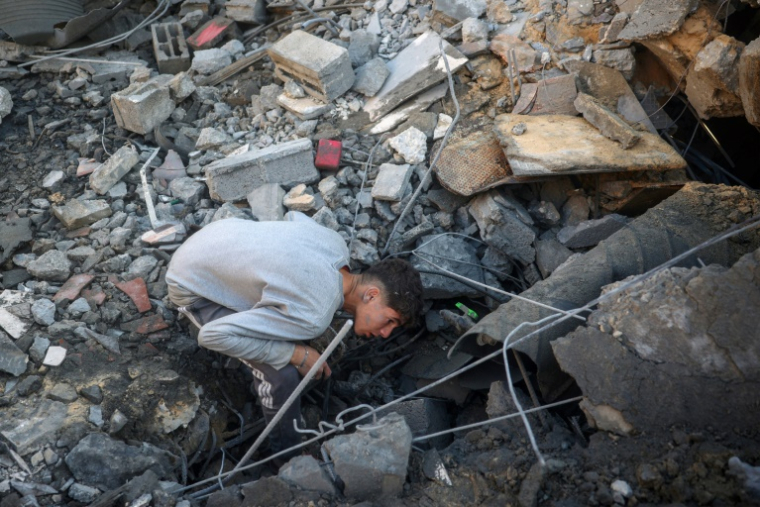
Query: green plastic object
x=470 y=313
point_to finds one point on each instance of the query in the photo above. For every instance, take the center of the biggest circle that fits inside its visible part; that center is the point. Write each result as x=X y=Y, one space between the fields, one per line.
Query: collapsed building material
x=141 y=107
x=677 y=349
x=424 y=417
x=451 y=253
x=657 y=18
x=553 y=95
x=416 y=68
x=247 y=11
x=712 y=83
x=170 y=48
x=234 y=177
x=34 y=21
x=322 y=68
x=306 y=108
x=78 y=213
x=113 y=170
x=399 y=115
x=505 y=225
x=608 y=123
x=6 y=103
x=211 y=33
x=391 y=182
x=451 y=12
x=555 y=144
x=672 y=227
x=749 y=81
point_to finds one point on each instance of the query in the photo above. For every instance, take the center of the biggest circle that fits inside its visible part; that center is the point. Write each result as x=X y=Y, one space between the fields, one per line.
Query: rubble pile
x=529 y=146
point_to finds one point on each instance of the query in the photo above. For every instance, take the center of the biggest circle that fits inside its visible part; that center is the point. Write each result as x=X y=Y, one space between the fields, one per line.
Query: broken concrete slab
x=12 y=359
x=170 y=48
x=391 y=182
x=424 y=417
x=6 y=103
x=712 y=82
x=526 y=56
x=657 y=18
x=451 y=12
x=306 y=473
x=114 y=169
x=370 y=77
x=416 y=68
x=208 y=61
x=619 y=59
x=591 y=232
x=608 y=123
x=454 y=254
x=77 y=213
x=555 y=144
x=247 y=11
x=37 y=427
x=399 y=115
x=266 y=202
x=749 y=81
x=554 y=95
x=321 y=67
x=306 y=108
x=141 y=107
x=505 y=225
x=372 y=464
x=14 y=233
x=550 y=254
x=290 y=163
x=674 y=349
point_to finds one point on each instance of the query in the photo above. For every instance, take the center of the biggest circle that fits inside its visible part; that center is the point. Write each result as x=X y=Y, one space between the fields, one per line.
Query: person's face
x=374 y=318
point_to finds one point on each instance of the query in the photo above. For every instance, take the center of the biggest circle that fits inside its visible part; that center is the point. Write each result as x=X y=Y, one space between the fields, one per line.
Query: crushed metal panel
x=558 y=144
x=549 y=96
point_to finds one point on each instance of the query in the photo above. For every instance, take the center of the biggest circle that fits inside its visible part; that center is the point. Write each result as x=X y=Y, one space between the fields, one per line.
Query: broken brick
x=72 y=287
x=328 y=155
x=211 y=33
x=137 y=292
x=146 y=325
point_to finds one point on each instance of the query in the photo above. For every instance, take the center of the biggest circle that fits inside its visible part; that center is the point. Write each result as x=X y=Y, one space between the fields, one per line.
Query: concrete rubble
x=565 y=167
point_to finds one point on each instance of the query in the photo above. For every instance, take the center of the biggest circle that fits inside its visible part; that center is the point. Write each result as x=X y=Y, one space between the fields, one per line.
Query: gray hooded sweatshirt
x=281 y=277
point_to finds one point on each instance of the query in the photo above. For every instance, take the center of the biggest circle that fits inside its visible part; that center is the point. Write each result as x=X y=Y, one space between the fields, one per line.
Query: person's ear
x=371 y=293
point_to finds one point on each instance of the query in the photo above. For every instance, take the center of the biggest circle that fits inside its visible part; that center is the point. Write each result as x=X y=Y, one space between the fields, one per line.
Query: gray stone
x=266 y=202
x=105 y=463
x=82 y=493
x=208 y=61
x=657 y=18
x=619 y=59
x=591 y=232
x=416 y=68
x=550 y=254
x=53 y=179
x=321 y=67
x=141 y=107
x=505 y=225
x=373 y=463
x=545 y=213
x=364 y=253
x=95 y=416
x=141 y=267
x=306 y=108
x=78 y=307
x=92 y=393
x=12 y=359
x=187 y=189
x=610 y=33
x=211 y=138
x=43 y=312
x=6 y=103
x=290 y=163
x=181 y=87
x=113 y=170
x=362 y=47
x=29 y=432
x=424 y=416
x=39 y=348
x=411 y=145
x=13 y=234
x=77 y=213
x=608 y=123
x=391 y=182
x=268 y=96
x=326 y=218
x=53 y=265
x=229 y=210
x=247 y=11
x=454 y=11
x=298 y=199
x=267 y=491
x=447 y=251
x=370 y=77
x=63 y=392
x=474 y=30
x=306 y=473
x=29 y=385
x=425 y=122
x=575 y=210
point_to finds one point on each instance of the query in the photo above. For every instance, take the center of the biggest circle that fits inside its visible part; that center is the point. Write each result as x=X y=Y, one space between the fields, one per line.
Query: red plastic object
x=328 y=155
x=210 y=34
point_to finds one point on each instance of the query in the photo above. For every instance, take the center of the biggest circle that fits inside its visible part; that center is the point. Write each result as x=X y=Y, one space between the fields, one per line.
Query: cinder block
x=170 y=48
x=321 y=67
x=141 y=107
x=288 y=164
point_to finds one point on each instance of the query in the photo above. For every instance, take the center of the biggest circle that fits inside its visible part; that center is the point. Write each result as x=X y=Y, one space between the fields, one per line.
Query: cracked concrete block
x=170 y=48
x=608 y=123
x=141 y=107
x=591 y=232
x=505 y=225
x=391 y=182
x=416 y=68
x=321 y=67
x=266 y=202
x=656 y=18
x=459 y=257
x=306 y=108
x=208 y=61
x=451 y=12
x=114 y=169
x=233 y=178
x=370 y=77
x=75 y=214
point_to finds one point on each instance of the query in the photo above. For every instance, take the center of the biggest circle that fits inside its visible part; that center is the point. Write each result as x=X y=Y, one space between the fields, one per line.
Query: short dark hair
x=402 y=288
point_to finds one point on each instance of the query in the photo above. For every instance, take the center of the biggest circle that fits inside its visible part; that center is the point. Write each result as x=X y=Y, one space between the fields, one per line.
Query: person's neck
x=351 y=295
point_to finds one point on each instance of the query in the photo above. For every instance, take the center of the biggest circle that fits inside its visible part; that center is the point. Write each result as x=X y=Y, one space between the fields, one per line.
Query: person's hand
x=304 y=358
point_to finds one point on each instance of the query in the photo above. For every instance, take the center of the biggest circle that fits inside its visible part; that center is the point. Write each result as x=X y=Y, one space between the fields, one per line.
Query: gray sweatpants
x=272 y=386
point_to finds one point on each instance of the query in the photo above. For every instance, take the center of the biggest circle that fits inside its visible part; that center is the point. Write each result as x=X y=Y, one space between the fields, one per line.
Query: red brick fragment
x=211 y=33
x=328 y=155
x=137 y=292
x=146 y=325
x=73 y=287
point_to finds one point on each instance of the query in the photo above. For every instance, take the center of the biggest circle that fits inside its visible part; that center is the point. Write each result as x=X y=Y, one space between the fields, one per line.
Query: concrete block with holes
x=322 y=68
x=170 y=48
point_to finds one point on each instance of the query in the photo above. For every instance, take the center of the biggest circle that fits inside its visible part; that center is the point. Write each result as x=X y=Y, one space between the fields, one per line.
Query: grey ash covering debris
x=554 y=172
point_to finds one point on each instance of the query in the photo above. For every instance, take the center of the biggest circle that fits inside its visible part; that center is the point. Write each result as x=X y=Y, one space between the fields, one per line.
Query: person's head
x=390 y=296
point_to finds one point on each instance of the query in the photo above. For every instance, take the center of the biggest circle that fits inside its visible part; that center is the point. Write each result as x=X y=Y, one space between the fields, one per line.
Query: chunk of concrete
x=657 y=18
x=362 y=47
x=370 y=77
x=424 y=416
x=451 y=12
x=454 y=254
x=30 y=430
x=53 y=265
x=749 y=81
x=621 y=59
x=306 y=108
x=608 y=123
x=170 y=48
x=141 y=107
x=712 y=83
x=505 y=225
x=6 y=103
x=550 y=254
x=591 y=232
x=555 y=144
x=411 y=144
x=247 y=11
x=298 y=199
x=503 y=44
x=12 y=359
x=554 y=95
x=305 y=472
x=391 y=182
x=321 y=67
x=372 y=463
x=290 y=163
x=403 y=112
x=266 y=202
x=114 y=169
x=43 y=312
x=76 y=213
x=416 y=68
x=208 y=61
